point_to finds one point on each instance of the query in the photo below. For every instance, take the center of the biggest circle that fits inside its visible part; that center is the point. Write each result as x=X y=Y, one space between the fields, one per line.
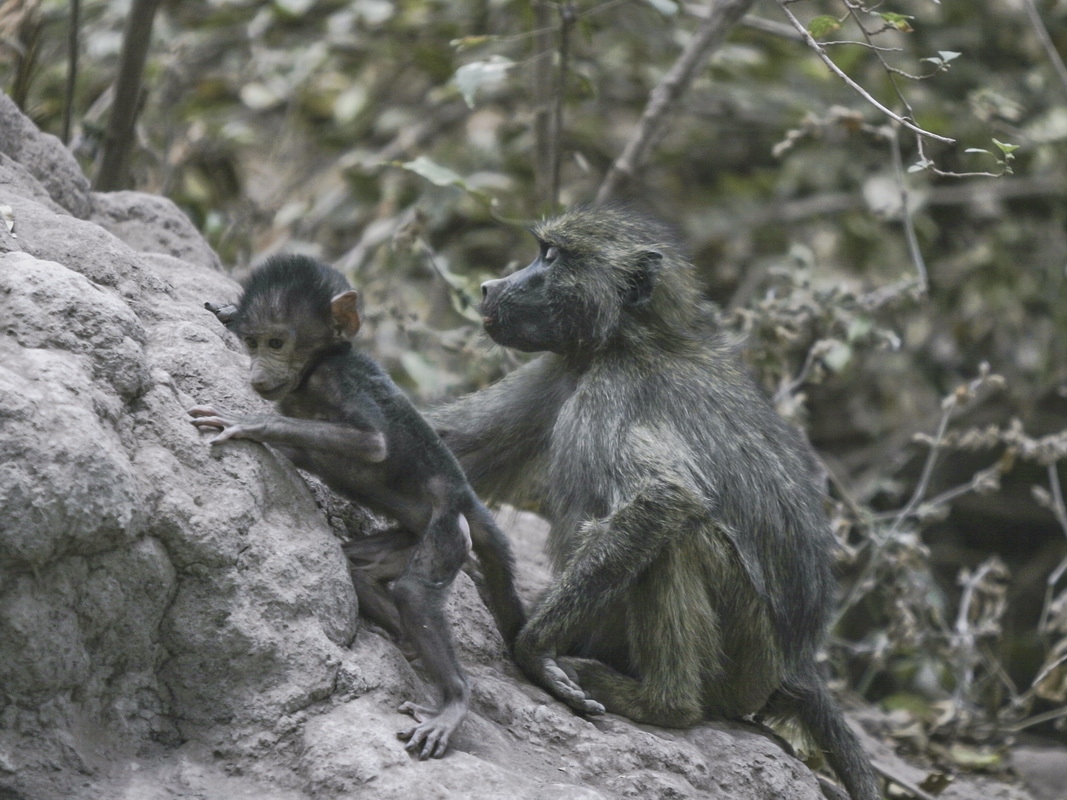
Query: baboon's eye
x=551 y=254
x=251 y=343
x=275 y=343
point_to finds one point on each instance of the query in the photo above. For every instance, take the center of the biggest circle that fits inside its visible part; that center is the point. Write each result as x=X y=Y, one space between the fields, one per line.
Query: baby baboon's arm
x=342 y=438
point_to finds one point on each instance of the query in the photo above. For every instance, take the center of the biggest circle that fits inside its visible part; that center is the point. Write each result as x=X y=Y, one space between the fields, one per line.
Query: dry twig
x=722 y=16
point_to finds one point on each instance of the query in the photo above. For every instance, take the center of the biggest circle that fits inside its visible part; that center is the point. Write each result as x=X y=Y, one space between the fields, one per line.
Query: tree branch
x=722 y=16
x=1046 y=41
x=905 y=211
x=821 y=53
x=72 y=67
x=119 y=139
x=545 y=156
x=567 y=19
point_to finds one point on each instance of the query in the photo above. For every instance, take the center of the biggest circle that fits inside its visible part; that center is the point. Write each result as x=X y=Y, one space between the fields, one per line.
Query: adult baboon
x=692 y=553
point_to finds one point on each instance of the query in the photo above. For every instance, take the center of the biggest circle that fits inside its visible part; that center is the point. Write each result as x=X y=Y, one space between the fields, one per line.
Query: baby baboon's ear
x=345 y=310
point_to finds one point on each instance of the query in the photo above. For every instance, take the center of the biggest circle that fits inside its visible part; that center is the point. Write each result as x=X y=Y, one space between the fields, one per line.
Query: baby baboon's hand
x=231 y=425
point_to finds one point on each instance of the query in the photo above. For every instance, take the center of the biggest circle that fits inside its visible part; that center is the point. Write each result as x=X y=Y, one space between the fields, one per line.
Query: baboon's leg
x=498 y=571
x=420 y=594
x=673 y=646
x=372 y=562
x=613 y=558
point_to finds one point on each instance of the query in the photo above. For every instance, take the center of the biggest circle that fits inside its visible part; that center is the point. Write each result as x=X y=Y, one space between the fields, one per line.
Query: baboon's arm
x=344 y=439
x=501 y=433
x=612 y=555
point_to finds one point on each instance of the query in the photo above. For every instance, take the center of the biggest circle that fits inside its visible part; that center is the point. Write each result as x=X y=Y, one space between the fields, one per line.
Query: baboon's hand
x=429 y=739
x=543 y=669
x=232 y=426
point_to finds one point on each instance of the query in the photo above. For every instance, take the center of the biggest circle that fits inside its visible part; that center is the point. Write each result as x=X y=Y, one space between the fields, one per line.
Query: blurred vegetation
x=404 y=141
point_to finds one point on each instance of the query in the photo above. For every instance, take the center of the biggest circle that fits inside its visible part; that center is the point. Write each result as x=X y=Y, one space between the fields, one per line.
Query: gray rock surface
x=177 y=621
x=43 y=159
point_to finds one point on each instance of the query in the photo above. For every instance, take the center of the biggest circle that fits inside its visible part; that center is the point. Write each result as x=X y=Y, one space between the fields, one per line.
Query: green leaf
x=977 y=150
x=822 y=25
x=858 y=328
x=898 y=21
x=442 y=176
x=975 y=757
x=948 y=55
x=433 y=172
x=838 y=356
x=468 y=42
x=481 y=75
x=1005 y=148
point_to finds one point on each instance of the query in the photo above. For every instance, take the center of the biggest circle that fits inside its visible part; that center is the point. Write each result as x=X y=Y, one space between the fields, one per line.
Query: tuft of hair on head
x=587 y=228
x=288 y=286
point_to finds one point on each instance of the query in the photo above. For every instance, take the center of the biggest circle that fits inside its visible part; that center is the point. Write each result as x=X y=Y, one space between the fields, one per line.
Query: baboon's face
x=574 y=297
x=282 y=334
x=522 y=310
x=277 y=359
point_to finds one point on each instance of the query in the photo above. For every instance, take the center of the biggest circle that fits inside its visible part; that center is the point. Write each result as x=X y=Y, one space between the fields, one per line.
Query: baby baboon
x=692 y=554
x=343 y=419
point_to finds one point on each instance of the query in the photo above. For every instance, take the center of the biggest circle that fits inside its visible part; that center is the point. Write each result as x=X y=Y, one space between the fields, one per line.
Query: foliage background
x=287 y=125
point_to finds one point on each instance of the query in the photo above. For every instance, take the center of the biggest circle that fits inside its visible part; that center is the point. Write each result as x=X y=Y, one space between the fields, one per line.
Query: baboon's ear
x=225 y=313
x=642 y=281
x=345 y=311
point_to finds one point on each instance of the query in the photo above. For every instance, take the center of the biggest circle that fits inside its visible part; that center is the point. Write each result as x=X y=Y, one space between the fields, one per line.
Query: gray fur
x=692 y=554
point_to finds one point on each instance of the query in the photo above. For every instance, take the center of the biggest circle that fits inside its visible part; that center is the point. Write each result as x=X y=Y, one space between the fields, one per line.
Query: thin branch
x=821 y=53
x=722 y=16
x=793 y=211
x=1058 y=507
x=1046 y=41
x=890 y=70
x=928 y=467
x=72 y=67
x=545 y=156
x=901 y=781
x=567 y=18
x=880 y=542
x=867 y=45
x=787 y=389
x=905 y=211
x=1037 y=719
x=1059 y=510
x=964 y=636
x=979 y=479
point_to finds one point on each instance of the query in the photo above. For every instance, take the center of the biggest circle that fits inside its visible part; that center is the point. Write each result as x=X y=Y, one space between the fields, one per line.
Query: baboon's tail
x=810 y=702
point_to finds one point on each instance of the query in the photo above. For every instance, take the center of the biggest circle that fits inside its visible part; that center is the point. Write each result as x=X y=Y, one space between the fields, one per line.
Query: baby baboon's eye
x=251 y=343
x=275 y=343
